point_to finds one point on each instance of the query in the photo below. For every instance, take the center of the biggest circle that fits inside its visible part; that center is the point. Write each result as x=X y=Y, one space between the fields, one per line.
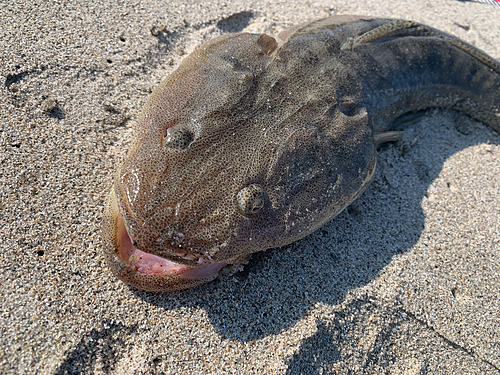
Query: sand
x=406 y=281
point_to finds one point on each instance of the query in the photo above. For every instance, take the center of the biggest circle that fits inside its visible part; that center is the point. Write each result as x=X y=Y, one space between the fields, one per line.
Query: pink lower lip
x=149 y=264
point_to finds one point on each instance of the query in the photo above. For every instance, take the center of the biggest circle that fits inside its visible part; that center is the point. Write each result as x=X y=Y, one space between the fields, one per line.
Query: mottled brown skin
x=255 y=142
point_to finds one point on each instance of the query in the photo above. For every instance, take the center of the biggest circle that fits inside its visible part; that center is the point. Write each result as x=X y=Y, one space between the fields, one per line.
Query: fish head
x=230 y=157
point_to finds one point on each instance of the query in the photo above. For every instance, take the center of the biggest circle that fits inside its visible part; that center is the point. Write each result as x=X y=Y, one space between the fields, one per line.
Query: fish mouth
x=144 y=270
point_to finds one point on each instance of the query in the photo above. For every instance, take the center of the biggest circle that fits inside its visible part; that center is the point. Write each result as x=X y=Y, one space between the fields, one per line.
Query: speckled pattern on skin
x=255 y=142
x=404 y=281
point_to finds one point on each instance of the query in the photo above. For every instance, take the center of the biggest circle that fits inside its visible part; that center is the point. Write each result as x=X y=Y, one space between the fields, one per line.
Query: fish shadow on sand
x=279 y=287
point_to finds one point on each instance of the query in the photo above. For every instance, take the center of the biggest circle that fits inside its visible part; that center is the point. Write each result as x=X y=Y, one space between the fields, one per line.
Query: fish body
x=254 y=142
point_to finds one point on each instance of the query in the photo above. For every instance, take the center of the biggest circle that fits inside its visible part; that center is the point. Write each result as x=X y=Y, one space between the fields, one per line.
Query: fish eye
x=177 y=137
x=251 y=200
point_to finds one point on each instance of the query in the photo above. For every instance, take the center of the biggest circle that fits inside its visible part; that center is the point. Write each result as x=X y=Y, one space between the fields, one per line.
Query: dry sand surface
x=406 y=281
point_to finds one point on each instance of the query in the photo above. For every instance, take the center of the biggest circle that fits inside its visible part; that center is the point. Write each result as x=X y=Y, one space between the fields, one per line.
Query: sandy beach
x=405 y=281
